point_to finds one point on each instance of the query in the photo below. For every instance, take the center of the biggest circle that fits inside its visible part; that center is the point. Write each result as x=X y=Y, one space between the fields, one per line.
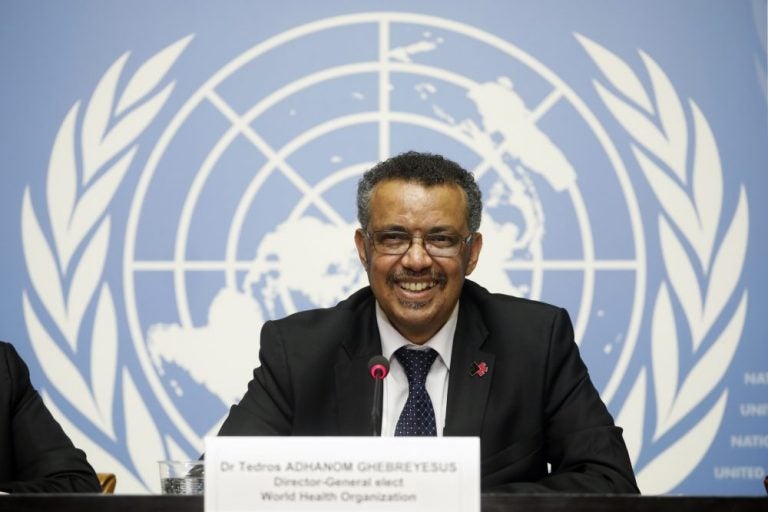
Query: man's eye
x=393 y=238
x=441 y=240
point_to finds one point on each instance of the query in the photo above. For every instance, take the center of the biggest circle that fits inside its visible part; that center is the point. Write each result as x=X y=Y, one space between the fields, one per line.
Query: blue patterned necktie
x=418 y=416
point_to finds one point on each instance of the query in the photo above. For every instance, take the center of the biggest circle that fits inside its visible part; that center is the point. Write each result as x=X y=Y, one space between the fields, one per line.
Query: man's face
x=417 y=291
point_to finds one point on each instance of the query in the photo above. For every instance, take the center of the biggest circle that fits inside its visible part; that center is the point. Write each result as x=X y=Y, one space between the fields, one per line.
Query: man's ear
x=474 y=253
x=362 y=250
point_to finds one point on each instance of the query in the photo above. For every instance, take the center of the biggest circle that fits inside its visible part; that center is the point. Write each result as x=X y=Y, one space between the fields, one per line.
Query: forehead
x=413 y=205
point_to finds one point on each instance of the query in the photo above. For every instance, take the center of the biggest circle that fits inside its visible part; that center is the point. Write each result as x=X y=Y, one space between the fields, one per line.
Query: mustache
x=439 y=277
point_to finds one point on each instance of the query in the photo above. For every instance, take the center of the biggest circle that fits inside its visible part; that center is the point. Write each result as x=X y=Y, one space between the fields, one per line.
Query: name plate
x=397 y=474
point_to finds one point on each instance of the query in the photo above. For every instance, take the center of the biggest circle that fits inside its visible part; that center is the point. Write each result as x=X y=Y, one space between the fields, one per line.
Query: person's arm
x=266 y=408
x=44 y=459
x=584 y=447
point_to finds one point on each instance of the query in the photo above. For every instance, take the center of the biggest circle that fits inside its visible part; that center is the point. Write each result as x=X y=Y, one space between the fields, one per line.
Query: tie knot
x=416 y=364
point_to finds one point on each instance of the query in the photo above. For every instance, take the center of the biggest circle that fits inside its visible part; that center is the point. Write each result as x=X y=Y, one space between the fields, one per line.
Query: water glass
x=181 y=476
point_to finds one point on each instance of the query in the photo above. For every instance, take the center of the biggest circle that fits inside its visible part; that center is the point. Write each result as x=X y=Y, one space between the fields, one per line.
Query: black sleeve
x=266 y=408
x=584 y=447
x=38 y=455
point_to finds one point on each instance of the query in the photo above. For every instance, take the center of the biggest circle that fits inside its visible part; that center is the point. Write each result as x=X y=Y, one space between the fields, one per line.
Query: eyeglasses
x=397 y=243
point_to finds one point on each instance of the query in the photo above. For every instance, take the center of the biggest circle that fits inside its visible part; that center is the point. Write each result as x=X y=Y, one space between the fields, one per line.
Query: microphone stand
x=375 y=409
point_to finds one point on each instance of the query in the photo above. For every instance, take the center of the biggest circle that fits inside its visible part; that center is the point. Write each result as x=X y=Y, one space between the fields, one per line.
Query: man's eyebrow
x=435 y=229
x=392 y=227
x=442 y=229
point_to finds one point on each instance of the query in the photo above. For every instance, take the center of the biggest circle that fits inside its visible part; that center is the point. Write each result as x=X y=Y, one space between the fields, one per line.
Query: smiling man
x=416 y=285
x=463 y=361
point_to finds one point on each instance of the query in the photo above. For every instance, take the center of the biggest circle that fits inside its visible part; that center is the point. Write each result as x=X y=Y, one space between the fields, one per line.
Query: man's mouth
x=419 y=286
x=417 y=282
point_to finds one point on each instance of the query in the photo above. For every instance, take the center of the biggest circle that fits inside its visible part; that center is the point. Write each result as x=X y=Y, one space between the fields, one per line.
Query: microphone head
x=378 y=367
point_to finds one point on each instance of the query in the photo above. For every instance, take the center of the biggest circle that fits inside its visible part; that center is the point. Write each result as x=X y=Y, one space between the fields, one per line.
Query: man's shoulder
x=480 y=297
x=356 y=304
x=10 y=360
x=528 y=323
x=14 y=375
x=350 y=323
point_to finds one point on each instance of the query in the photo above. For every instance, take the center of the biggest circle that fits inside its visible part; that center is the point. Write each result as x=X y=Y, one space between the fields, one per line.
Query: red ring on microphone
x=379 y=371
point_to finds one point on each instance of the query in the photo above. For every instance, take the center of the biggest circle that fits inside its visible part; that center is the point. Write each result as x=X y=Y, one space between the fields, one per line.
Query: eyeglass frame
x=463 y=240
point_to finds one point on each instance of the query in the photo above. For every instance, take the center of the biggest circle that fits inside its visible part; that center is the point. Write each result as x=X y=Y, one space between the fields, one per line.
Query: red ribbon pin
x=478 y=369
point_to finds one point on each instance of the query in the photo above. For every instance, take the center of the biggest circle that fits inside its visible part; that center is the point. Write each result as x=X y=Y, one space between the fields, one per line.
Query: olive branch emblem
x=92 y=152
x=681 y=163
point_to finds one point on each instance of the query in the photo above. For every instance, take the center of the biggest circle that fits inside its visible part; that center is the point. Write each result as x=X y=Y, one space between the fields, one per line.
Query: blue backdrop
x=176 y=173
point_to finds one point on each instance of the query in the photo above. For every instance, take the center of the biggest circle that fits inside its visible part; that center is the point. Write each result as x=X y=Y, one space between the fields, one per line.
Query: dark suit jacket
x=536 y=405
x=35 y=453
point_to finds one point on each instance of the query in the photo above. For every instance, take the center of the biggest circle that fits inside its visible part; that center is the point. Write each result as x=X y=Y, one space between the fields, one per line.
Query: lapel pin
x=478 y=369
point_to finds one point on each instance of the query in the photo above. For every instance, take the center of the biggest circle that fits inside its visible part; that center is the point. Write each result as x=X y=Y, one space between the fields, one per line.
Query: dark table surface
x=490 y=503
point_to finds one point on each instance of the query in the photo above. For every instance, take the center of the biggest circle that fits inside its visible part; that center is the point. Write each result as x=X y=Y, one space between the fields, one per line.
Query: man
x=498 y=367
x=35 y=453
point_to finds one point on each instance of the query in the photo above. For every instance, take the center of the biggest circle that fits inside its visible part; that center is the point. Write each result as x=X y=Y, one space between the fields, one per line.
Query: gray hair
x=423 y=168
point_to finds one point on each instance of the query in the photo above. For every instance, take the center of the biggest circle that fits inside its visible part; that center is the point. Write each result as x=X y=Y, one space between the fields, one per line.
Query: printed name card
x=397 y=474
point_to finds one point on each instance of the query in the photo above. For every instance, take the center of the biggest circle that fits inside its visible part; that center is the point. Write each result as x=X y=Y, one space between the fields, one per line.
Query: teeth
x=416 y=287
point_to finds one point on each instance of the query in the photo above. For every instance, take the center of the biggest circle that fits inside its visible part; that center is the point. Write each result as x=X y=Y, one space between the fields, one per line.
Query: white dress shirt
x=395 y=391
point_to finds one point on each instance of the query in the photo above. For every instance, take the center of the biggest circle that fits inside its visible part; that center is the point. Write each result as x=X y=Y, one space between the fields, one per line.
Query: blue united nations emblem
x=244 y=211
x=257 y=222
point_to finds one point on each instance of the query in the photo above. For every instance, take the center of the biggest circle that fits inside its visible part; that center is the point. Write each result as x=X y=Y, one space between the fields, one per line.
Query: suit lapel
x=354 y=387
x=468 y=393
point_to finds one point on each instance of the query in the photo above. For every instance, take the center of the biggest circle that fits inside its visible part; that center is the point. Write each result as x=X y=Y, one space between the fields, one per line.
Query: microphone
x=378 y=367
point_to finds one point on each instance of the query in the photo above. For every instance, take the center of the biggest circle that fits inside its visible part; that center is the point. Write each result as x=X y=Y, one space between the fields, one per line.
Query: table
x=490 y=503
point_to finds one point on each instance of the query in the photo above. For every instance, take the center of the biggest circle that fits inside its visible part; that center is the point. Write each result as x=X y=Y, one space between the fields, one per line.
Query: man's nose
x=416 y=257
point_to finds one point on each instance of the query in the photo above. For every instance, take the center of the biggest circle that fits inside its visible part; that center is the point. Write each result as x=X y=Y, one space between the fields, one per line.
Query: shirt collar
x=441 y=342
